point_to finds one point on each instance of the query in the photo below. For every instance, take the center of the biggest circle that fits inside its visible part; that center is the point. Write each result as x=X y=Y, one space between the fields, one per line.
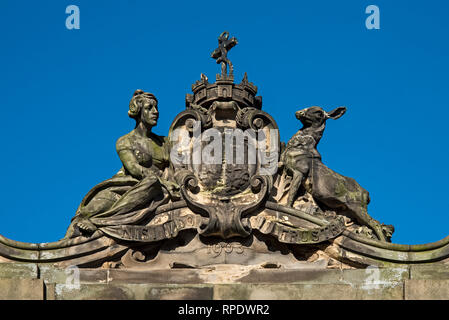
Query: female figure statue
x=142 y=181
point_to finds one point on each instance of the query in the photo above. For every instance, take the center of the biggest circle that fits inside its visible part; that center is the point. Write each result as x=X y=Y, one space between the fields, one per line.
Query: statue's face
x=149 y=113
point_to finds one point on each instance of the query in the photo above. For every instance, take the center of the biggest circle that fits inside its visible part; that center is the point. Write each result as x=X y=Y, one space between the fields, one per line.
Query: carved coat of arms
x=220 y=188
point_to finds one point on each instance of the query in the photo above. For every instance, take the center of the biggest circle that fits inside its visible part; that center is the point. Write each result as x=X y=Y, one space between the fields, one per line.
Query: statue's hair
x=135 y=105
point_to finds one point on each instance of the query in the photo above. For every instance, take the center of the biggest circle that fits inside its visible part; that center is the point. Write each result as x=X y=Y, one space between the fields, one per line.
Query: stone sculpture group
x=221 y=188
x=223 y=199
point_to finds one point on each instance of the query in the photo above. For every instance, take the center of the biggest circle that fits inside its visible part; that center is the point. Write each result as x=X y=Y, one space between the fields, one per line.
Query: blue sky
x=64 y=95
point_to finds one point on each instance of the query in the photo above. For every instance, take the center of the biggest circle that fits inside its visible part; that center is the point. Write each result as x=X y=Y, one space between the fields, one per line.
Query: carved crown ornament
x=222 y=188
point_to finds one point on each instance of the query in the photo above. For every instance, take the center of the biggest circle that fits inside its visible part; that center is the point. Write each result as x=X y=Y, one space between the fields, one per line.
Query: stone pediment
x=222 y=192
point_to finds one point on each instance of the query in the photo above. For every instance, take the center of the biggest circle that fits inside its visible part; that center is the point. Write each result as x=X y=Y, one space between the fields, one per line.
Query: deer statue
x=302 y=161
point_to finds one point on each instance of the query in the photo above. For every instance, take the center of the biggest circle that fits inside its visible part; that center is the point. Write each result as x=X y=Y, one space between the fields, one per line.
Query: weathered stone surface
x=426 y=289
x=22 y=289
x=68 y=275
x=373 y=275
x=326 y=276
x=429 y=271
x=176 y=276
x=92 y=292
x=226 y=282
x=174 y=292
x=236 y=274
x=225 y=274
x=50 y=291
x=132 y=292
x=293 y=276
x=306 y=292
x=18 y=270
x=227 y=292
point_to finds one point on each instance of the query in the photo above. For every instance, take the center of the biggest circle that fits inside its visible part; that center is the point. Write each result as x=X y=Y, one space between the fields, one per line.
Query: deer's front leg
x=294 y=186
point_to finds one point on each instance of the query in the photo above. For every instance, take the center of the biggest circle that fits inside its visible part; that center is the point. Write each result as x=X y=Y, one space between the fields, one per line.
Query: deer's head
x=316 y=116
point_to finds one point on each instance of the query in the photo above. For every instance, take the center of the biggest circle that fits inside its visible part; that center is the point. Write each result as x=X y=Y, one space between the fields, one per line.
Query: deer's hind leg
x=361 y=215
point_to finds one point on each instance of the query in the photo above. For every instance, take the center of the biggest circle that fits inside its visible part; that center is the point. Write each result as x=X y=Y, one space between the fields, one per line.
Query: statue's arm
x=131 y=164
x=129 y=160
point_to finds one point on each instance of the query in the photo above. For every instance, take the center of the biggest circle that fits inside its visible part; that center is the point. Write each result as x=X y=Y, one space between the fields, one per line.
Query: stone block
x=179 y=292
x=50 y=291
x=72 y=275
x=225 y=275
x=131 y=292
x=307 y=292
x=429 y=271
x=22 y=289
x=91 y=292
x=292 y=276
x=374 y=275
x=175 y=276
x=427 y=289
x=329 y=276
x=18 y=271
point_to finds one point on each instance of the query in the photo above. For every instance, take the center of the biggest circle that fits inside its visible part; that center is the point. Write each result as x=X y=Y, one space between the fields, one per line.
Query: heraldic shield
x=224 y=153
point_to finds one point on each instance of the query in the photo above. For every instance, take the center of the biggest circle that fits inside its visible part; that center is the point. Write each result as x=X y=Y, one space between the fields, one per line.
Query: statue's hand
x=172 y=187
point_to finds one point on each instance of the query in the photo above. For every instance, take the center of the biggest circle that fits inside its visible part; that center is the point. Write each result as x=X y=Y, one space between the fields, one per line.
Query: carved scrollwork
x=225 y=214
x=255 y=119
x=188 y=118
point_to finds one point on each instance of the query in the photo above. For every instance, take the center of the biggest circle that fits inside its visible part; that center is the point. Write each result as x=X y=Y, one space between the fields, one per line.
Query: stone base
x=20 y=281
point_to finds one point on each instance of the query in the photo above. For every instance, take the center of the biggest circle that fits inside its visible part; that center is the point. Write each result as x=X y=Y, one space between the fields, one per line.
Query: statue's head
x=143 y=108
x=316 y=116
